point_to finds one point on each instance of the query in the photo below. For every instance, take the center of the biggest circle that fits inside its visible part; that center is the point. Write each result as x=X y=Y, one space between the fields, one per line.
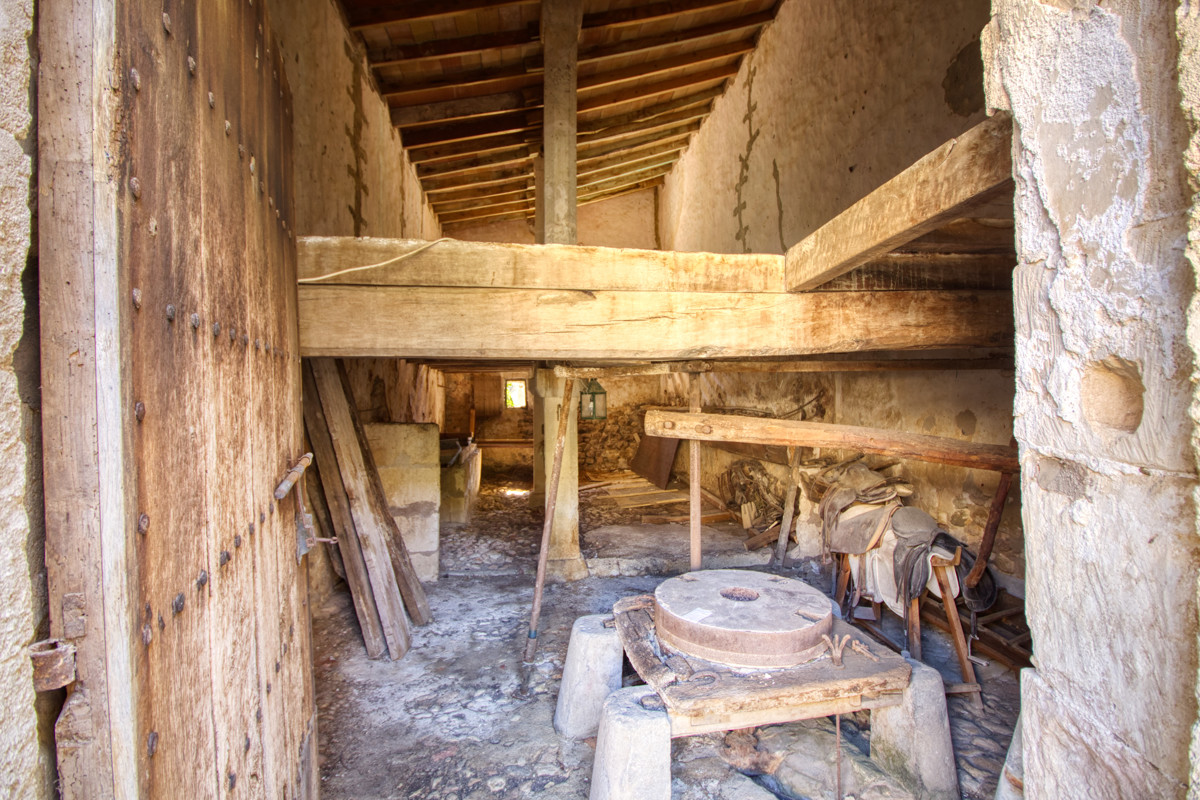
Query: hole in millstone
x=739 y=593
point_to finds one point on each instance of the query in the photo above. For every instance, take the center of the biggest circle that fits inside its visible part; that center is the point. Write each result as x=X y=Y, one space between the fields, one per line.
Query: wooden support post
x=694 y=509
x=561 y=22
x=560 y=440
x=789 y=506
x=956 y=631
x=914 y=629
x=989 y=530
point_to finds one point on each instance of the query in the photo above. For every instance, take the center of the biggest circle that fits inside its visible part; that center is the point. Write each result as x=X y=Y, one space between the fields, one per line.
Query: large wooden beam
x=524 y=266
x=439 y=49
x=937 y=189
x=708 y=55
x=794 y=433
x=750 y=22
x=637 y=15
x=451 y=322
x=385 y=12
x=556 y=190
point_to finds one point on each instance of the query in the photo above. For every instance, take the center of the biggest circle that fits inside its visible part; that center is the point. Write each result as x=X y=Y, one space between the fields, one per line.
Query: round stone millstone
x=742 y=618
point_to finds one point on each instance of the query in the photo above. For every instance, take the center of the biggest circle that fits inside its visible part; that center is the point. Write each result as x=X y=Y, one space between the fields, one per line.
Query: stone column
x=561 y=21
x=566 y=562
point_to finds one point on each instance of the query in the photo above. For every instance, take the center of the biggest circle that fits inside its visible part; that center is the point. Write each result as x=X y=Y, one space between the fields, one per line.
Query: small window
x=514 y=394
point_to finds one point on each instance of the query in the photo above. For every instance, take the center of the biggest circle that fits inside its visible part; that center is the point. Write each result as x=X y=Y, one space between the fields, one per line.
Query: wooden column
x=561 y=22
x=565 y=560
x=694 y=476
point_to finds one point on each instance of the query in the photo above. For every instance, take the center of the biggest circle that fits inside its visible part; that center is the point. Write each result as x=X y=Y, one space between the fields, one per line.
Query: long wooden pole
x=560 y=440
x=989 y=530
x=694 y=509
x=789 y=507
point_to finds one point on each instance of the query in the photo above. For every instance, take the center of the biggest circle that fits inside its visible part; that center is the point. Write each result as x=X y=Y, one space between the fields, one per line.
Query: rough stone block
x=425 y=565
x=592 y=672
x=633 y=748
x=912 y=740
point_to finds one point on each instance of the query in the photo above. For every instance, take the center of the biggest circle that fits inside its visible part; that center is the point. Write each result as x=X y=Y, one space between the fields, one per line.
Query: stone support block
x=912 y=740
x=592 y=672
x=633 y=748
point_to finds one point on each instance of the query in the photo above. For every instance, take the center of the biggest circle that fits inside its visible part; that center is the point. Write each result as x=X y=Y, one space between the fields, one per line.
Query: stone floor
x=446 y=722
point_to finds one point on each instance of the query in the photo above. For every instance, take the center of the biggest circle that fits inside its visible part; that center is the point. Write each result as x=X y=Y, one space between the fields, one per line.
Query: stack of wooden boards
x=348 y=501
x=629 y=490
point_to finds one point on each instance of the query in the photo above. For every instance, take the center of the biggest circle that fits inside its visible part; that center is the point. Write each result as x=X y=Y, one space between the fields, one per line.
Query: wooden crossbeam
x=610 y=194
x=938 y=189
x=783 y=367
x=385 y=12
x=454 y=322
x=479 y=82
x=630 y=129
x=592 y=151
x=448 y=151
x=519 y=155
x=696 y=33
x=466 y=108
x=794 y=433
x=524 y=266
x=594 y=102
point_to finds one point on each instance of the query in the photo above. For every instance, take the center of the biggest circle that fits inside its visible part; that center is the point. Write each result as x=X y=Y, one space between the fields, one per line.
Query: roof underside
x=463 y=79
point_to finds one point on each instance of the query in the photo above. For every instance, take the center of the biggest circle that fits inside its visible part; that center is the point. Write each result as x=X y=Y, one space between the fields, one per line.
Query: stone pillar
x=633 y=748
x=591 y=673
x=566 y=562
x=537 y=494
x=561 y=21
x=912 y=740
x=1108 y=475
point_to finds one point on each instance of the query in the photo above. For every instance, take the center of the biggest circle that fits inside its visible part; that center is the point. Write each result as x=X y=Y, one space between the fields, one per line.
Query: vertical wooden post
x=694 y=509
x=561 y=23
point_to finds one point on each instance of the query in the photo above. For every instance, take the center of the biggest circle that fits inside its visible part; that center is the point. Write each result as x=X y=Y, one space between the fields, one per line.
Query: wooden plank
x=794 y=433
x=565 y=325
x=371 y=532
x=654 y=499
x=87 y=466
x=411 y=591
x=465 y=108
x=695 y=543
x=619 y=97
x=517 y=266
x=645 y=70
x=936 y=189
x=648 y=519
x=342 y=522
x=693 y=34
x=637 y=15
x=444 y=49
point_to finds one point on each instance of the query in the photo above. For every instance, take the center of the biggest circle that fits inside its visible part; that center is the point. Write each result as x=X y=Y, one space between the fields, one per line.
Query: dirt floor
x=446 y=721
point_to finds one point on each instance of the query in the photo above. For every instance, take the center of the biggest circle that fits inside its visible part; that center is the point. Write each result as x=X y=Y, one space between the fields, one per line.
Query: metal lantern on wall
x=593 y=402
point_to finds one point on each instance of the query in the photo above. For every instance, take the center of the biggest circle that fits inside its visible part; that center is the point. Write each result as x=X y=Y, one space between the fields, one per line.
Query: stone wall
x=352 y=176
x=26 y=764
x=407 y=458
x=1102 y=392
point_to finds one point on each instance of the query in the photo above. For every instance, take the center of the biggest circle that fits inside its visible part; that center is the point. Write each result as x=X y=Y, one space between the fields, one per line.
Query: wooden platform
x=702 y=696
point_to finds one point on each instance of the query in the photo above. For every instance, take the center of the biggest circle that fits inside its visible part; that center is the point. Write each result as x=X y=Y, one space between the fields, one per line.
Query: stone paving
x=446 y=722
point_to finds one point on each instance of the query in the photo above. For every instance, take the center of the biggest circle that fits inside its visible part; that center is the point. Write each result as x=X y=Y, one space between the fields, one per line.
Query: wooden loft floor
x=922 y=263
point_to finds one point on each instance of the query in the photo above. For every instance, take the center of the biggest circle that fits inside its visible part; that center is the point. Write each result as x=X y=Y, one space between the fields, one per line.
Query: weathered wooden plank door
x=172 y=400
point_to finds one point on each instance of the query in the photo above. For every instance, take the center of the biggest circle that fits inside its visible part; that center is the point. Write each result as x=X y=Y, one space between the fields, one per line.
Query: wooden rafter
x=651 y=43
x=612 y=194
x=441 y=49
x=707 y=56
x=594 y=123
x=638 y=15
x=446 y=111
x=470 y=166
x=636 y=93
x=461 y=85
x=385 y=12
x=490 y=125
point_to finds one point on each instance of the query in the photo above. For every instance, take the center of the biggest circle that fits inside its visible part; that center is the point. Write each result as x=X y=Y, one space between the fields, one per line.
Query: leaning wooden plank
x=561 y=325
x=758 y=430
x=937 y=189
x=411 y=590
x=370 y=529
x=448 y=262
x=342 y=523
x=658 y=519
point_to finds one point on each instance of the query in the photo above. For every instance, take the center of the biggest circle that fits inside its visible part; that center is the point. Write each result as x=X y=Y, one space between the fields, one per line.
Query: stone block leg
x=633 y=748
x=592 y=672
x=912 y=740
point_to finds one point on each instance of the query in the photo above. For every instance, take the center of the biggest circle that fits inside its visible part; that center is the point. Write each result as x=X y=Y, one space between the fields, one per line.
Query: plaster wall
x=835 y=100
x=352 y=175
x=26 y=766
x=408 y=460
x=1102 y=392
x=626 y=221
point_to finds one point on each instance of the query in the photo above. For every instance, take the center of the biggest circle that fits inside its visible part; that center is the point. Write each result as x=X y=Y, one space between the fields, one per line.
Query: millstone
x=742 y=618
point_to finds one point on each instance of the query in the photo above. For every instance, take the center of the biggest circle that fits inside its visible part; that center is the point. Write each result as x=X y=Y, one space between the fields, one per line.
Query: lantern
x=592 y=401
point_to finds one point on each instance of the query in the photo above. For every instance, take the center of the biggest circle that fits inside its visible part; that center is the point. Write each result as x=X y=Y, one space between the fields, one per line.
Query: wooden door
x=172 y=400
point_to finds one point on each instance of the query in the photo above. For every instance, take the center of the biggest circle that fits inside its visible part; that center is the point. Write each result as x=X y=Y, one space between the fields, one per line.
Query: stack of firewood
x=609 y=445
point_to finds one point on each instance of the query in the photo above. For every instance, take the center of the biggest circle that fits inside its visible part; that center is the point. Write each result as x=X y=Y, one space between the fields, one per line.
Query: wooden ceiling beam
x=363 y=15
x=936 y=190
x=615 y=193
x=491 y=125
x=470 y=166
x=592 y=165
x=470 y=84
x=483 y=212
x=638 y=15
x=389 y=321
x=621 y=182
x=666 y=121
x=650 y=43
x=441 y=49
x=619 y=168
x=473 y=191
x=546 y=267
x=464 y=204
x=468 y=108
x=710 y=55
x=499 y=216
x=602 y=123
x=435 y=184
x=635 y=93
x=472 y=146
x=590 y=153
